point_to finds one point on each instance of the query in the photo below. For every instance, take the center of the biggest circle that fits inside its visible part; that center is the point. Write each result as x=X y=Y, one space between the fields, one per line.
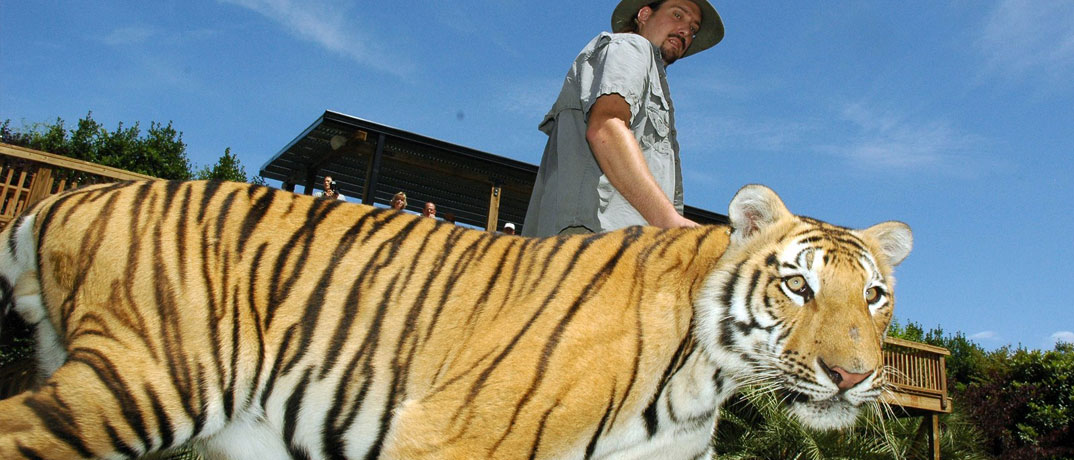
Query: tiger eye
x=795 y=283
x=872 y=294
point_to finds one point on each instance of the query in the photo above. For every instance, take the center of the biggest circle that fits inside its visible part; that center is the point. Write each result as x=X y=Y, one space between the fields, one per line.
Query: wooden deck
x=918 y=376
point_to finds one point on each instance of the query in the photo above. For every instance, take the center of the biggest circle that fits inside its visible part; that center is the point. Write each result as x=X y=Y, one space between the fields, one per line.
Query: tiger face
x=804 y=307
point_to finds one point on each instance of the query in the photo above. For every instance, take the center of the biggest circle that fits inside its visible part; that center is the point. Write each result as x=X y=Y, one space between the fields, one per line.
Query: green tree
x=84 y=142
x=1024 y=403
x=160 y=152
x=228 y=167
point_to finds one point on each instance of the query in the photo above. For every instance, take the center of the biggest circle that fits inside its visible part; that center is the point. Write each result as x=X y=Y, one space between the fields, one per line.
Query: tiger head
x=802 y=306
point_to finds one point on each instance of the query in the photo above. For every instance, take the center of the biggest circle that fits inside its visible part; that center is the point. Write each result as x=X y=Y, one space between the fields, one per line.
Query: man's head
x=679 y=27
x=509 y=228
x=429 y=210
x=327 y=183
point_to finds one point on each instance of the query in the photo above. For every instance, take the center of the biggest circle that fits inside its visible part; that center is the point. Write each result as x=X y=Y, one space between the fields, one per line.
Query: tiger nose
x=842 y=378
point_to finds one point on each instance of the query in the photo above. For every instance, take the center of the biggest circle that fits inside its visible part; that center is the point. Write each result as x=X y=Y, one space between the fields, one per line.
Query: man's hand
x=621 y=159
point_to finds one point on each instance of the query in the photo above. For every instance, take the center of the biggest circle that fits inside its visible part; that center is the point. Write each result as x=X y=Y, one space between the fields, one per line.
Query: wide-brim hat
x=711 y=25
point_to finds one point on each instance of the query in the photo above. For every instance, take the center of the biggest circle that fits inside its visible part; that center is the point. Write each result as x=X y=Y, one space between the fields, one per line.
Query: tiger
x=256 y=323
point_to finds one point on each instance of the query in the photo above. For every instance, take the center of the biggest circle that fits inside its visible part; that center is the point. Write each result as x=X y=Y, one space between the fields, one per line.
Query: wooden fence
x=27 y=176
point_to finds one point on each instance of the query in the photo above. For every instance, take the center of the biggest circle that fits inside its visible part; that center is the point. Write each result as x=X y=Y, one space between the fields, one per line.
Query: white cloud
x=1030 y=39
x=985 y=335
x=700 y=88
x=129 y=36
x=1061 y=336
x=142 y=35
x=332 y=26
x=731 y=134
x=865 y=137
x=529 y=97
x=893 y=140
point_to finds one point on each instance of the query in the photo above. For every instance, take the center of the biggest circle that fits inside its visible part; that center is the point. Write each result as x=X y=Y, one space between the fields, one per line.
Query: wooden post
x=494 y=209
x=944 y=401
x=934 y=435
x=40 y=185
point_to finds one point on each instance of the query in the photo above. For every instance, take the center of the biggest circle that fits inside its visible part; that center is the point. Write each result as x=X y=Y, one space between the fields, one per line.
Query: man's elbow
x=592 y=134
x=598 y=130
x=598 y=139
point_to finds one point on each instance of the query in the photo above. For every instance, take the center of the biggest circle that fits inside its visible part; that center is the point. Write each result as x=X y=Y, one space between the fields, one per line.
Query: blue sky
x=956 y=117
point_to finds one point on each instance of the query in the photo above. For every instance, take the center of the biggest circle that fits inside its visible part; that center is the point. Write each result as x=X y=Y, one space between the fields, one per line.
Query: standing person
x=612 y=158
x=399 y=201
x=331 y=190
x=429 y=210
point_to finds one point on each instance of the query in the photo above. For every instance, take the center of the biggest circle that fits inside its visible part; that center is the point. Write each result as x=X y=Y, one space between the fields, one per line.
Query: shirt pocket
x=657 y=111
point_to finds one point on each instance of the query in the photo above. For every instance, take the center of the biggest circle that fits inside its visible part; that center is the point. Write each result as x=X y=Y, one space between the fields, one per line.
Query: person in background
x=429 y=210
x=509 y=229
x=398 y=202
x=612 y=157
x=331 y=190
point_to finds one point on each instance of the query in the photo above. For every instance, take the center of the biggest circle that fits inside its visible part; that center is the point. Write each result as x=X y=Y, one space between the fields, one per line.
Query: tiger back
x=263 y=324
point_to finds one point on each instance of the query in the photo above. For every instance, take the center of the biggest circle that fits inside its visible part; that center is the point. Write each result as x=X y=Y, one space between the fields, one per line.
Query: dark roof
x=460 y=180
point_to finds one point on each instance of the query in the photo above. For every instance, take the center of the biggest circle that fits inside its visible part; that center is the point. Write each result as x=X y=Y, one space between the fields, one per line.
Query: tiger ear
x=895 y=240
x=753 y=208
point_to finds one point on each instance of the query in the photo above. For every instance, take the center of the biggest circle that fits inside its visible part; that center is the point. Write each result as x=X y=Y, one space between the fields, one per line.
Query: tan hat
x=711 y=25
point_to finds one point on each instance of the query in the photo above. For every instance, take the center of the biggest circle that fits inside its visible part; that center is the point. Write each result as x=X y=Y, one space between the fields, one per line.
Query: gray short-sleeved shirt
x=571 y=190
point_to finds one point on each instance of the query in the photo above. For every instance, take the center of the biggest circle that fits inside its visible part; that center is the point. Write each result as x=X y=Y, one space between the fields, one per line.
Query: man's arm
x=621 y=160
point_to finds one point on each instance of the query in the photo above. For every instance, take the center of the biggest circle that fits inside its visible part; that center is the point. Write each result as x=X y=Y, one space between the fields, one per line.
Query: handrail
x=28 y=175
x=916 y=345
x=70 y=163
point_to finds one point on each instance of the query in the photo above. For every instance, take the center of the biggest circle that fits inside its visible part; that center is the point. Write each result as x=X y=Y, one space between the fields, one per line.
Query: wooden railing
x=27 y=176
x=917 y=374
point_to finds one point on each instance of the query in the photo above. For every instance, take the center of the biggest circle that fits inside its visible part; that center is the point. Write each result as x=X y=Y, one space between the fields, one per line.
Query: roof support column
x=373 y=172
x=311 y=178
x=494 y=208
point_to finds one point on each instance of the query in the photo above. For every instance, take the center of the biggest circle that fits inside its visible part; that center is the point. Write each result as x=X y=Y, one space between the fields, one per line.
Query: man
x=429 y=210
x=331 y=190
x=509 y=229
x=612 y=158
